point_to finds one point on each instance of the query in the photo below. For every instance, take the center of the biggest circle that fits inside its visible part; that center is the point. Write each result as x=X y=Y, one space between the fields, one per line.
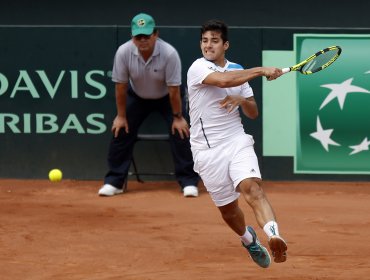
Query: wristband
x=177 y=115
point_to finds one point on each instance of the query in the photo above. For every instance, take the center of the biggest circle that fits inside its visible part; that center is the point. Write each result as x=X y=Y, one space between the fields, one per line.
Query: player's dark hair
x=215 y=25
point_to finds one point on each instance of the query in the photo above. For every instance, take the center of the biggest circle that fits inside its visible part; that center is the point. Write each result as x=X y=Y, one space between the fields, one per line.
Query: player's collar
x=218 y=66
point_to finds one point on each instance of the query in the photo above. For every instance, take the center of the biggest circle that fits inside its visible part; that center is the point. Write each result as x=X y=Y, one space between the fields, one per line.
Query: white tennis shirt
x=211 y=125
x=148 y=79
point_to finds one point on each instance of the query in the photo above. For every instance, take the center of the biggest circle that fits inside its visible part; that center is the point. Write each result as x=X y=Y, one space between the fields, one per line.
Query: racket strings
x=320 y=61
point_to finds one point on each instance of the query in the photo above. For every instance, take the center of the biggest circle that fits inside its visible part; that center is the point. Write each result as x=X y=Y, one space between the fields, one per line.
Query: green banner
x=56 y=100
x=333 y=124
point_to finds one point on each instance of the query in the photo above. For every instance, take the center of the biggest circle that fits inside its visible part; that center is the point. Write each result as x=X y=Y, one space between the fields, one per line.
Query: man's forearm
x=121 y=99
x=175 y=100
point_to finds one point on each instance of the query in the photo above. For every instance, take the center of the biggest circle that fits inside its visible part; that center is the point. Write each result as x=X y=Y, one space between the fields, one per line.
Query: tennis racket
x=317 y=61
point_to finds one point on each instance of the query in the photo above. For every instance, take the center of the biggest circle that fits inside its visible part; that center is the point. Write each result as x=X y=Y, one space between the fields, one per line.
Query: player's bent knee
x=248 y=185
x=251 y=189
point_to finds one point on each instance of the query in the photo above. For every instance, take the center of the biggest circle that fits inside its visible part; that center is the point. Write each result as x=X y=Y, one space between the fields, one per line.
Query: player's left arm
x=248 y=105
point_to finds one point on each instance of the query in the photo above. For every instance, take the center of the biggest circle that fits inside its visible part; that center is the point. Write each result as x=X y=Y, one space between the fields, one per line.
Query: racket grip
x=285 y=70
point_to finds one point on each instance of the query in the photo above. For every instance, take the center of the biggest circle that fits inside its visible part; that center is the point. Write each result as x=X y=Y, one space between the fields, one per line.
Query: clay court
x=65 y=231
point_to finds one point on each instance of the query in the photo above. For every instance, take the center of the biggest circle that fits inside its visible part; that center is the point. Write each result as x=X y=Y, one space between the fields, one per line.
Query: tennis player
x=223 y=153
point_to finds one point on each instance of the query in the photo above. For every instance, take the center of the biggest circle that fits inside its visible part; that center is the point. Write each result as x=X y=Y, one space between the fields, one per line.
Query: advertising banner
x=333 y=116
x=56 y=100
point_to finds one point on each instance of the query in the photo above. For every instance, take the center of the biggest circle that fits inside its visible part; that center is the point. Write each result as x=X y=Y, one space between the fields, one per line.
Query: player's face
x=213 y=47
x=145 y=43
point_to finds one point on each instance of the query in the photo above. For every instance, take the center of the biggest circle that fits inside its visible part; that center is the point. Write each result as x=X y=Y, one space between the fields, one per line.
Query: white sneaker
x=190 y=191
x=109 y=190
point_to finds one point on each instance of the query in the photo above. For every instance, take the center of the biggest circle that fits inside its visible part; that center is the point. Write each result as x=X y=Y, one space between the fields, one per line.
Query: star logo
x=333 y=117
x=363 y=146
x=340 y=92
x=323 y=135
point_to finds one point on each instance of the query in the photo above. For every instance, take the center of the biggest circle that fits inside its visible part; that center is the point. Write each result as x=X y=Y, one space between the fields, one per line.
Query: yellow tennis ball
x=55 y=175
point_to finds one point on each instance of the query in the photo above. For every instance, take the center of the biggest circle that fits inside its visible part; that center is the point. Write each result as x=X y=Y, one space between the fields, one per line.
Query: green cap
x=142 y=24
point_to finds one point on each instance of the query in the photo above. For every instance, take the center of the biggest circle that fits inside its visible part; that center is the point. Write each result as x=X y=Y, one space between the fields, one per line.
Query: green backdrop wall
x=57 y=99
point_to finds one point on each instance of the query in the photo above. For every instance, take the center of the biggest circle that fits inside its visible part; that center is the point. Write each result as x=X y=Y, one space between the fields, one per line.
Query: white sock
x=247 y=237
x=271 y=228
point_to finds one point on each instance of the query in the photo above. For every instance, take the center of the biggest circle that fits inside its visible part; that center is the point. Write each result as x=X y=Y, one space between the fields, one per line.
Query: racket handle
x=285 y=70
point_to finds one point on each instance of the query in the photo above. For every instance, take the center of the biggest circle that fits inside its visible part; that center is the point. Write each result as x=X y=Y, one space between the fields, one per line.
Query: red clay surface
x=65 y=231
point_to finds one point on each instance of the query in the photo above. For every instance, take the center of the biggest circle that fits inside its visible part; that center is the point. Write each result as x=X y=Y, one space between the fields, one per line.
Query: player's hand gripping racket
x=317 y=61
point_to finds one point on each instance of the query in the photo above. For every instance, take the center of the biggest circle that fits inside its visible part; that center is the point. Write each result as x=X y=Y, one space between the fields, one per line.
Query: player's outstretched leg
x=258 y=253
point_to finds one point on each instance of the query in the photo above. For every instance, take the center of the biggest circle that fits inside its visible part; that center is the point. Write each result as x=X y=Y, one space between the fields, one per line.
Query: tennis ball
x=55 y=175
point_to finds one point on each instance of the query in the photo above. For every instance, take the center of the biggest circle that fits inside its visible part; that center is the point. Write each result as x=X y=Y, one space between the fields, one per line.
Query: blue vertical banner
x=333 y=115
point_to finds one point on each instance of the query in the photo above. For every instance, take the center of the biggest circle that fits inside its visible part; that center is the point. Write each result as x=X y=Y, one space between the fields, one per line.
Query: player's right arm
x=237 y=78
x=120 y=120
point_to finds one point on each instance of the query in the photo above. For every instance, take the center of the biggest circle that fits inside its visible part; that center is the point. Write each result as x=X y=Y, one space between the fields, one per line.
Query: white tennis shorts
x=223 y=167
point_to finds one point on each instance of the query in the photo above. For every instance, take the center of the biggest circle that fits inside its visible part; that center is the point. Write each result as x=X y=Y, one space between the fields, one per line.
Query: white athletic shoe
x=109 y=190
x=190 y=191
